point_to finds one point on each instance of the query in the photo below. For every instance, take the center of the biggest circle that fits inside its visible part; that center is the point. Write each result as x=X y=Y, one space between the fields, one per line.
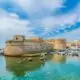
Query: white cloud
x=53 y=21
x=60 y=21
x=53 y=4
x=73 y=35
x=38 y=6
x=29 y=6
x=11 y=25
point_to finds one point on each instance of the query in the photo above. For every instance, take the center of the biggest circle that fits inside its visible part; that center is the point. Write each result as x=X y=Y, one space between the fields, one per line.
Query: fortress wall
x=32 y=47
x=13 y=50
x=14 y=44
x=20 y=48
x=60 y=44
x=17 y=49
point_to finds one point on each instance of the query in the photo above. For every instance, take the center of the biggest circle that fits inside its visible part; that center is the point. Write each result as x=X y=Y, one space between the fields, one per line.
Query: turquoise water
x=12 y=68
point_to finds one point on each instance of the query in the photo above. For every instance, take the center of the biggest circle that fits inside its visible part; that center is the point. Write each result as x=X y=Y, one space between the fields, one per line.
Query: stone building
x=18 y=38
x=58 y=44
x=19 y=46
x=51 y=42
x=74 y=44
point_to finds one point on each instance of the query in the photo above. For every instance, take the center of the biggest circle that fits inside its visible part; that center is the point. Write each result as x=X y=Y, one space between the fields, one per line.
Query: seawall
x=13 y=49
x=25 y=48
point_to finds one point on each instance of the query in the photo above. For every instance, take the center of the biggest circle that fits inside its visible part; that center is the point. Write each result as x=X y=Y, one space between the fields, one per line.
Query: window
x=16 y=38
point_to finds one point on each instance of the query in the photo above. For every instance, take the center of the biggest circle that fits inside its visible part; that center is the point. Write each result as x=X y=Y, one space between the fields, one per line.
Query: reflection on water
x=19 y=66
x=56 y=67
x=59 y=58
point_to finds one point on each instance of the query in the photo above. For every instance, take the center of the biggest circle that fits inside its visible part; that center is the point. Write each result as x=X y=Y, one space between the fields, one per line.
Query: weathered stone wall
x=13 y=50
x=60 y=44
x=20 y=48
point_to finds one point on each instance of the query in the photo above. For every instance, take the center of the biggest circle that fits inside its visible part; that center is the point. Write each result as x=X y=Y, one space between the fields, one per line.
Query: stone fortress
x=20 y=46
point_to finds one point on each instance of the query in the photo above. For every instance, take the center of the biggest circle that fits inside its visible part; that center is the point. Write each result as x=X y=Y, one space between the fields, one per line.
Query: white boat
x=74 y=52
x=62 y=52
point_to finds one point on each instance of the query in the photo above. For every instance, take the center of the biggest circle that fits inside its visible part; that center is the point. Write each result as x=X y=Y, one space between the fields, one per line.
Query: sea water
x=17 y=68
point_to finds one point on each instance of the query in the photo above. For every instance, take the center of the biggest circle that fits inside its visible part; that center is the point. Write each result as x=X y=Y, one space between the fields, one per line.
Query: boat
x=61 y=52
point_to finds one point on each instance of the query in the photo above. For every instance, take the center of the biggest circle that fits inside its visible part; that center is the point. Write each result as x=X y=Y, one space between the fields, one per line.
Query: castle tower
x=59 y=44
x=18 y=38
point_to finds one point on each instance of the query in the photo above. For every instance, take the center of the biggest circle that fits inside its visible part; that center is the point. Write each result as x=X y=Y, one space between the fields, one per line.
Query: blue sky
x=42 y=18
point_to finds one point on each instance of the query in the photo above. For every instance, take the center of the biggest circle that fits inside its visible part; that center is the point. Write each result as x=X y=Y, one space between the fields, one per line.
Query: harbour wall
x=21 y=48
